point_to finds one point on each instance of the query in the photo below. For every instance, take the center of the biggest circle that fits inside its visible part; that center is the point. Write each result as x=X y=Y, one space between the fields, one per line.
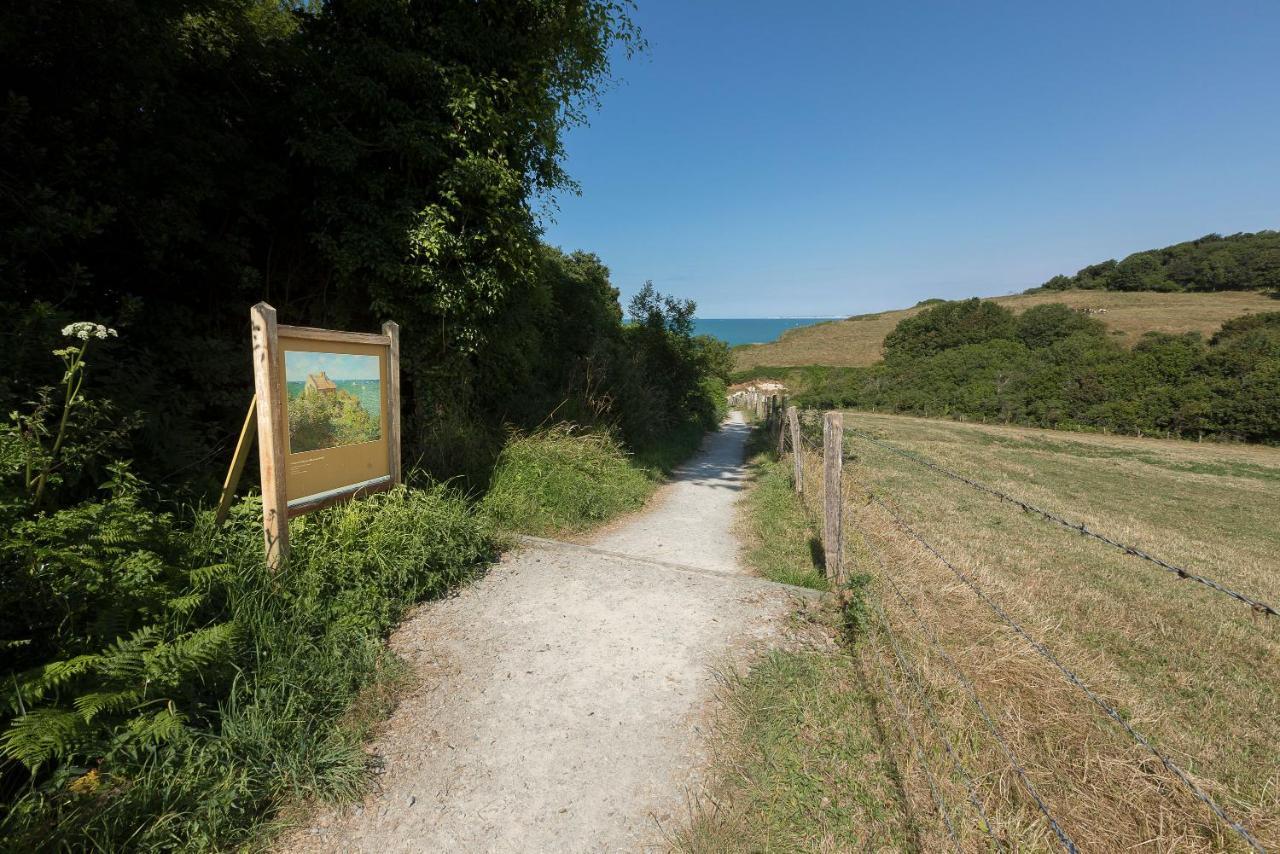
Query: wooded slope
x=857 y=341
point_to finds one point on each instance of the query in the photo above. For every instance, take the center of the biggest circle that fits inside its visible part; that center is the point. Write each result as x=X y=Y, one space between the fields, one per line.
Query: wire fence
x=1254 y=603
x=1071 y=676
x=807 y=441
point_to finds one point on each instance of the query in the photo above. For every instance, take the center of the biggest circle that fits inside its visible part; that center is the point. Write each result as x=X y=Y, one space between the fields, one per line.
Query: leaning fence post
x=797 y=449
x=833 y=464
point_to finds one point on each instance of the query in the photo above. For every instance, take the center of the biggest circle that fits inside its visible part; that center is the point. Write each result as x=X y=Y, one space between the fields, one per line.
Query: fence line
x=1257 y=605
x=802 y=443
x=932 y=637
x=932 y=714
x=1071 y=677
x=905 y=722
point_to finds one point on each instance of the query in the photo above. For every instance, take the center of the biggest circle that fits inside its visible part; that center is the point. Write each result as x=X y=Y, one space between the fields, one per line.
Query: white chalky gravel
x=561 y=700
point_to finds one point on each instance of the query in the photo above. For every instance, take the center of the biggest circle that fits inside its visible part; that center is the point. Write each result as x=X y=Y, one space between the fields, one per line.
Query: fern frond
x=93 y=704
x=165 y=725
x=41 y=735
x=125 y=659
x=184 y=605
x=37 y=684
x=168 y=661
x=207 y=575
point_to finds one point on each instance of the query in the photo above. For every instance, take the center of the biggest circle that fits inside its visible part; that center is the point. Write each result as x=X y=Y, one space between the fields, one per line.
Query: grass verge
x=799 y=765
x=562 y=480
x=782 y=544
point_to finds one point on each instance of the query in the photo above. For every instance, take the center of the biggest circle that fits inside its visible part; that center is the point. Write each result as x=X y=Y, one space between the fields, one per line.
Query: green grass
x=560 y=481
x=799 y=766
x=563 y=480
x=782 y=544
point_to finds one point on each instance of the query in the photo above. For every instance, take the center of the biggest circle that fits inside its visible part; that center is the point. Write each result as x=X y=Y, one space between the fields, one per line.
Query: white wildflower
x=84 y=330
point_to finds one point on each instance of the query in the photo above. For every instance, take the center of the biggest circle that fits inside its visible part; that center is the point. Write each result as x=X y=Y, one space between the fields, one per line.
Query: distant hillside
x=1238 y=262
x=857 y=341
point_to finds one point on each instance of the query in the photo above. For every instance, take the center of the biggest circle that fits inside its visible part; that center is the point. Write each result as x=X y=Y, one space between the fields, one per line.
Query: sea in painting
x=335 y=399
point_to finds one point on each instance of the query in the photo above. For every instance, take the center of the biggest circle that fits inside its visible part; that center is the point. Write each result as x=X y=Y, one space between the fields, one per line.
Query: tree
x=948 y=325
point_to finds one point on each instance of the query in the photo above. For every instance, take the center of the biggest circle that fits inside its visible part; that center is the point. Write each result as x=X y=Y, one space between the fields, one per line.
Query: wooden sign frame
x=273 y=422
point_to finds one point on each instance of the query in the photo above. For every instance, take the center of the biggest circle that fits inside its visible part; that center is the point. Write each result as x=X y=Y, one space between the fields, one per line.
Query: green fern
x=108 y=694
x=44 y=734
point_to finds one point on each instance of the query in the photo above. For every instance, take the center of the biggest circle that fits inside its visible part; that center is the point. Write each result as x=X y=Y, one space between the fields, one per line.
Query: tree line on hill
x=1053 y=366
x=1238 y=262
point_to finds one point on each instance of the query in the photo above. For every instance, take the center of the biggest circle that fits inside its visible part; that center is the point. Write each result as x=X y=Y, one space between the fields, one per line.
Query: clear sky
x=828 y=158
x=338 y=366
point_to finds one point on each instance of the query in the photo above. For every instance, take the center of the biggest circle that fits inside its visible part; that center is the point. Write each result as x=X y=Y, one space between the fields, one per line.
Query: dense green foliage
x=167 y=165
x=1054 y=367
x=1238 y=262
x=168 y=691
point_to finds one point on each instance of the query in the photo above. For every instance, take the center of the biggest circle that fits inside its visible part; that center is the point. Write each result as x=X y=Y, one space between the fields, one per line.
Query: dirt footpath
x=561 y=698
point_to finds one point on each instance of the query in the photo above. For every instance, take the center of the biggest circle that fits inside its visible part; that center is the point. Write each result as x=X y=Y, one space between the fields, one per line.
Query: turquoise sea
x=750 y=330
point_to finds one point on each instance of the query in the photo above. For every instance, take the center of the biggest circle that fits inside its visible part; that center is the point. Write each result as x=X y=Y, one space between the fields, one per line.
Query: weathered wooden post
x=782 y=427
x=833 y=464
x=272 y=426
x=797 y=449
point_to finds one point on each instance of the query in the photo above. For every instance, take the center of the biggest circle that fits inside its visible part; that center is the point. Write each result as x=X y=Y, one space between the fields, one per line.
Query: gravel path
x=560 y=700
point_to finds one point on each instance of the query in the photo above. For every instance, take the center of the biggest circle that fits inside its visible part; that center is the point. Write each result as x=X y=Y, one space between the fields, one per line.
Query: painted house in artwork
x=320 y=383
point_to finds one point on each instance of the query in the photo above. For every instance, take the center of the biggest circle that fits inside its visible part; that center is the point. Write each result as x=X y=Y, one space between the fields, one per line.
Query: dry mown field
x=1195 y=671
x=856 y=341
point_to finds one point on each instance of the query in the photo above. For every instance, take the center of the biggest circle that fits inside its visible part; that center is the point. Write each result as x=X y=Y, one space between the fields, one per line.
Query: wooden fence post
x=272 y=426
x=392 y=331
x=833 y=465
x=782 y=428
x=797 y=449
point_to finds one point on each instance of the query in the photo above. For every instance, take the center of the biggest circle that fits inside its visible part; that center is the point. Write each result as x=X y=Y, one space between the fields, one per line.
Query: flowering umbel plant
x=44 y=462
x=84 y=330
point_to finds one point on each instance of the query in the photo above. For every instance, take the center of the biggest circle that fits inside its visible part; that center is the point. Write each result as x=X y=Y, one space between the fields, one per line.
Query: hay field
x=856 y=341
x=1196 y=672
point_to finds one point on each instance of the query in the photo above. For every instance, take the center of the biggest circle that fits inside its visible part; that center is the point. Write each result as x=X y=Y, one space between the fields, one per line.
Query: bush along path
x=559 y=703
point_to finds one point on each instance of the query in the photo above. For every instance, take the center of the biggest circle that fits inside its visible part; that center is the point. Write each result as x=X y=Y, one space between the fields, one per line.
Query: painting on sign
x=334 y=399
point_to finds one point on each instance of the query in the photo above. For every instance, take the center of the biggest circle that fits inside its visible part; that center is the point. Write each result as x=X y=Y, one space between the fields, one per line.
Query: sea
x=368 y=392
x=750 y=330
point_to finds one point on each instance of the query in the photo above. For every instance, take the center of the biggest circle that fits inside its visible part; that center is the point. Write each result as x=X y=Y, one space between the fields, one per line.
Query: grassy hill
x=856 y=341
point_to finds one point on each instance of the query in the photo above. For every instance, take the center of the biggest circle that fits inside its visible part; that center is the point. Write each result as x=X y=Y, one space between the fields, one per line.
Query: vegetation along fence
x=1012 y=744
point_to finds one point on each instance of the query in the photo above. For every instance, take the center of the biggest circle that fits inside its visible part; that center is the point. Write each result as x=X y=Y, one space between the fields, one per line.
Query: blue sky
x=830 y=158
x=339 y=366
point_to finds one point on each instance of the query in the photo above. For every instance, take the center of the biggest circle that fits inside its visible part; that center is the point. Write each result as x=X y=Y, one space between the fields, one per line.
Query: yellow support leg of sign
x=247 y=434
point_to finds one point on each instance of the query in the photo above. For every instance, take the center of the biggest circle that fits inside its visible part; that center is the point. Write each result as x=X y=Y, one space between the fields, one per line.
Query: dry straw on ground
x=1194 y=671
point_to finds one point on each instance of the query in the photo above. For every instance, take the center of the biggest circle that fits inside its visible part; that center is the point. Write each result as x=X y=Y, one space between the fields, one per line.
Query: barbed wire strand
x=936 y=645
x=932 y=714
x=1071 y=677
x=938 y=799
x=1257 y=605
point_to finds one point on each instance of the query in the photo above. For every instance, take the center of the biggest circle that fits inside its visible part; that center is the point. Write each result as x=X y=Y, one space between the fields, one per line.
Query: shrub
x=560 y=479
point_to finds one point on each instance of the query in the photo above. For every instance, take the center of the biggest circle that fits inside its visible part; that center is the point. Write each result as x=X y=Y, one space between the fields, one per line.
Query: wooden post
x=782 y=431
x=833 y=464
x=243 y=445
x=271 y=432
x=392 y=331
x=797 y=449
